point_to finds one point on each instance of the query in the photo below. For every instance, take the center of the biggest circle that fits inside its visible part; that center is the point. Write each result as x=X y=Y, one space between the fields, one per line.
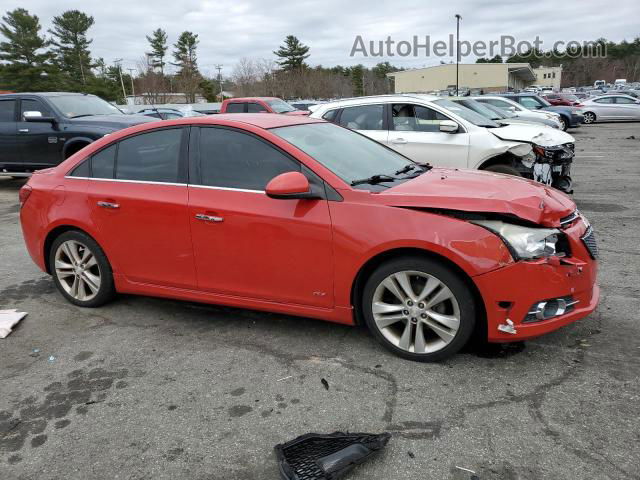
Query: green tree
x=72 y=45
x=496 y=59
x=292 y=54
x=25 y=60
x=357 y=80
x=158 y=43
x=186 y=60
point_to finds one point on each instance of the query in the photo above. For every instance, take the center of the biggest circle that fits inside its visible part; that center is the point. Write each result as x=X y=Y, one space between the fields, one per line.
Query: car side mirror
x=512 y=108
x=449 y=126
x=36 y=116
x=290 y=185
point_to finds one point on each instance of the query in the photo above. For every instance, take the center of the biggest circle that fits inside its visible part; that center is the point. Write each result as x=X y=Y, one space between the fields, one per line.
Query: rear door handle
x=399 y=141
x=108 y=205
x=23 y=130
x=208 y=218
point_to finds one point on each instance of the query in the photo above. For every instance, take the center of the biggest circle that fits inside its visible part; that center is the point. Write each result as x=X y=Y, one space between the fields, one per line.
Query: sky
x=231 y=29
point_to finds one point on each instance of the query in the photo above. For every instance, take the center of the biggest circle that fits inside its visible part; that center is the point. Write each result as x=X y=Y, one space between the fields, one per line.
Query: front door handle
x=108 y=205
x=23 y=130
x=208 y=218
x=399 y=141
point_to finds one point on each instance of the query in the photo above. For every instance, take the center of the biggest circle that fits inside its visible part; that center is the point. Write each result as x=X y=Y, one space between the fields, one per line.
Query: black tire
x=563 y=123
x=502 y=168
x=106 y=290
x=588 y=118
x=446 y=276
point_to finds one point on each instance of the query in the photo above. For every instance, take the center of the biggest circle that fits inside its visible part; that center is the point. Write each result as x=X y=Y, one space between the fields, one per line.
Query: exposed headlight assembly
x=525 y=243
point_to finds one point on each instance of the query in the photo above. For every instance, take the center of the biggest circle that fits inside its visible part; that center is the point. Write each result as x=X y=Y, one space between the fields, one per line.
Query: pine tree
x=72 y=45
x=158 y=43
x=25 y=60
x=186 y=60
x=292 y=54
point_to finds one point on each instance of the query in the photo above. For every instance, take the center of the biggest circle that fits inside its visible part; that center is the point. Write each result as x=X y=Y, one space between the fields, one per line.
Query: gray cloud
x=231 y=29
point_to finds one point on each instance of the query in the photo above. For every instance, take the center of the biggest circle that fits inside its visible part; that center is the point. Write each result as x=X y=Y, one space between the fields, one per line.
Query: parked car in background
x=599 y=84
x=304 y=105
x=161 y=113
x=570 y=117
x=548 y=118
x=39 y=130
x=494 y=113
x=259 y=105
x=609 y=108
x=567 y=99
x=432 y=258
x=510 y=117
x=436 y=130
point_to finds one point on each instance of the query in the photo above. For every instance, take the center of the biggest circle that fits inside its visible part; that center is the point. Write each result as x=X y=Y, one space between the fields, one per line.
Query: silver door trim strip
x=165 y=183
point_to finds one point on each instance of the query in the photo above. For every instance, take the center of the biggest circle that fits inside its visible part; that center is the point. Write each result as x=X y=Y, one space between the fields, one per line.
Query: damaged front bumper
x=556 y=290
x=549 y=165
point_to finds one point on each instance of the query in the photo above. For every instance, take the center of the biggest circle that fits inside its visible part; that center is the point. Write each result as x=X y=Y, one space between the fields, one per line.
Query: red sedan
x=300 y=216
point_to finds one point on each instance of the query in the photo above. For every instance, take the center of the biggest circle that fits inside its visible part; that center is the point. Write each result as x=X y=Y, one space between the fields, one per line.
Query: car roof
x=243 y=99
x=47 y=94
x=398 y=97
x=260 y=120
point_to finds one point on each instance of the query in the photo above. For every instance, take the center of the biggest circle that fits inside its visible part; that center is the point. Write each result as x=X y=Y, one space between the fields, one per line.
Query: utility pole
x=118 y=62
x=458 y=18
x=133 y=91
x=219 y=68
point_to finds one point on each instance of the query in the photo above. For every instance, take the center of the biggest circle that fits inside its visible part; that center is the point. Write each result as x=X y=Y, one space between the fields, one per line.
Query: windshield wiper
x=405 y=169
x=374 y=179
x=85 y=115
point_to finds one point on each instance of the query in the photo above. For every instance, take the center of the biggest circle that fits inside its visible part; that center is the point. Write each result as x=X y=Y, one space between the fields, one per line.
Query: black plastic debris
x=316 y=456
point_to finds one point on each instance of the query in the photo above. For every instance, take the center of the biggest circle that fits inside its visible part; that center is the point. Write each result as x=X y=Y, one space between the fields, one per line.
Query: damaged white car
x=435 y=130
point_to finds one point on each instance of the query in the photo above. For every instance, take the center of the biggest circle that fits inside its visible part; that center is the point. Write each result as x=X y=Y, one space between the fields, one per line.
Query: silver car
x=609 y=108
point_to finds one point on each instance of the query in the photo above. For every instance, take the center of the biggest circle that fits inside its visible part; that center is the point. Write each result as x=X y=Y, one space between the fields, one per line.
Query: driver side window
x=416 y=118
x=31 y=105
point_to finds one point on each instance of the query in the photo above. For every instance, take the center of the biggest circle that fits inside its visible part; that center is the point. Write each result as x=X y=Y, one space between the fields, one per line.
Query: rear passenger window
x=152 y=156
x=238 y=160
x=102 y=163
x=81 y=170
x=364 y=117
x=235 y=108
x=7 y=110
x=255 y=108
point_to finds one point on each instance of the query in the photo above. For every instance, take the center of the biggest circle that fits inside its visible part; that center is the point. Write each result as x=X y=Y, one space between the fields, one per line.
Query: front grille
x=589 y=240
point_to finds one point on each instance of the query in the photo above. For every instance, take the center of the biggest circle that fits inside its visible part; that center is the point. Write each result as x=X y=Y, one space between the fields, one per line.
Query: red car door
x=138 y=198
x=245 y=243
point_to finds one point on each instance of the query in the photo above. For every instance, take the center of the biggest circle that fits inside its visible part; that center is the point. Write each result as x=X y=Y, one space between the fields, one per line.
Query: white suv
x=430 y=129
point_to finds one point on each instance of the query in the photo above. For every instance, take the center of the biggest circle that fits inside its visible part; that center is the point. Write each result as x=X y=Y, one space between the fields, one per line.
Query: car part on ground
x=317 y=456
x=342 y=227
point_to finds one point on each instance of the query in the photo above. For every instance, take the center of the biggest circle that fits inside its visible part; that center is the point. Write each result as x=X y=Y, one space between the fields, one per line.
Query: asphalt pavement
x=147 y=388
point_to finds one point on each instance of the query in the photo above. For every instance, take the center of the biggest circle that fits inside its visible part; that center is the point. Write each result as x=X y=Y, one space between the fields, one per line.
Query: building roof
x=523 y=70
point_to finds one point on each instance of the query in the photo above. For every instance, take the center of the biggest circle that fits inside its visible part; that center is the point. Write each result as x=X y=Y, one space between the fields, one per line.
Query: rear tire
x=418 y=308
x=502 y=168
x=80 y=270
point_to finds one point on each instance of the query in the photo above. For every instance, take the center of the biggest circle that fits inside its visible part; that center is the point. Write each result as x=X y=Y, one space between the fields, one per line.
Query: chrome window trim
x=119 y=180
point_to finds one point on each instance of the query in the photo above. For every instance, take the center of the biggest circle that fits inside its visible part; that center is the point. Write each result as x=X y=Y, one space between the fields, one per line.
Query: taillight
x=24 y=193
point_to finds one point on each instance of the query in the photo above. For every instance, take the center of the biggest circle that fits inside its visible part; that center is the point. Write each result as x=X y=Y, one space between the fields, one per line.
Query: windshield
x=467 y=114
x=499 y=111
x=280 y=106
x=479 y=108
x=542 y=101
x=73 y=106
x=350 y=155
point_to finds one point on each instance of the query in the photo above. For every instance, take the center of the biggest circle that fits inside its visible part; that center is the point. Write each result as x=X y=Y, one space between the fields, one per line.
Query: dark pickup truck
x=40 y=130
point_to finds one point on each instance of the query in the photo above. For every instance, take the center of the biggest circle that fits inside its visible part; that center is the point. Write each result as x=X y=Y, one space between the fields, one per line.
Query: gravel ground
x=160 y=389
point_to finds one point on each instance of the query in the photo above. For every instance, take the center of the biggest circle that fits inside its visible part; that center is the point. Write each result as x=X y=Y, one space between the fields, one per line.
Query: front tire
x=588 y=117
x=502 y=168
x=563 y=124
x=81 y=270
x=418 y=308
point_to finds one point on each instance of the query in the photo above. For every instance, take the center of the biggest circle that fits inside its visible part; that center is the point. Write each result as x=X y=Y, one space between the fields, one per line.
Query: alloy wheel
x=563 y=124
x=77 y=270
x=416 y=312
x=589 y=117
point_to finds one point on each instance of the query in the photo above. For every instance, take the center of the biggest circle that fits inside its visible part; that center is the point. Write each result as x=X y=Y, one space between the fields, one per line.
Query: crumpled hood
x=113 y=121
x=481 y=192
x=536 y=134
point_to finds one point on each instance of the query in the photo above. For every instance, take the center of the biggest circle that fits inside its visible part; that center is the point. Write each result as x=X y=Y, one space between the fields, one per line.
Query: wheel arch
x=70 y=146
x=55 y=233
x=505 y=158
x=374 y=262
